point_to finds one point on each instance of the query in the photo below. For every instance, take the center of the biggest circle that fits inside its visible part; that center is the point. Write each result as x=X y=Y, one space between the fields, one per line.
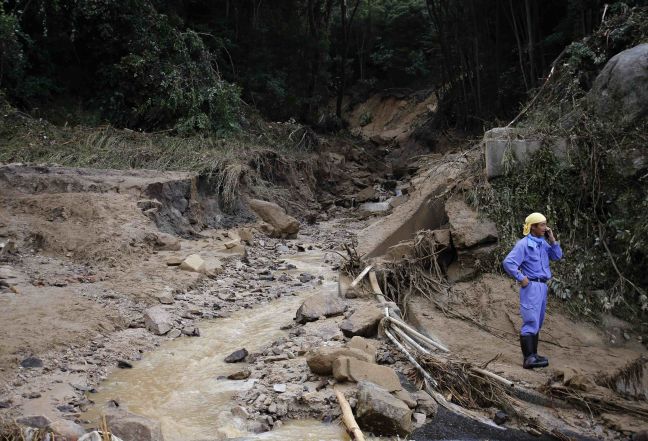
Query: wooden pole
x=347 y=417
x=361 y=276
x=413 y=332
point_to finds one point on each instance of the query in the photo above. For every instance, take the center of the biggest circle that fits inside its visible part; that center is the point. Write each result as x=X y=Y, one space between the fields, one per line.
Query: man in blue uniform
x=528 y=263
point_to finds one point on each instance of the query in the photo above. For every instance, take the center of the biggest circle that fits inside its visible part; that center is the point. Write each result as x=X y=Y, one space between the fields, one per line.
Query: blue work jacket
x=529 y=258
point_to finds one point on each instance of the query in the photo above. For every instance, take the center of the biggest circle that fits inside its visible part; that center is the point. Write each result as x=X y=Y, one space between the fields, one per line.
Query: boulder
x=620 y=91
x=193 y=263
x=352 y=369
x=67 y=429
x=240 y=375
x=319 y=305
x=320 y=361
x=236 y=356
x=283 y=225
x=129 y=426
x=157 y=320
x=364 y=322
x=466 y=228
x=31 y=362
x=425 y=403
x=366 y=345
x=406 y=398
x=37 y=421
x=381 y=413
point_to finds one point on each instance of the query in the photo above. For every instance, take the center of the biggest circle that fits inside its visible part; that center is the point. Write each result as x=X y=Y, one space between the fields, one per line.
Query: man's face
x=538 y=230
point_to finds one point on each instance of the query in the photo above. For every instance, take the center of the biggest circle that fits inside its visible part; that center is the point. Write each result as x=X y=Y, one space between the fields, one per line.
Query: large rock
x=283 y=225
x=506 y=147
x=131 y=427
x=320 y=361
x=193 y=263
x=367 y=346
x=158 y=320
x=620 y=92
x=381 y=413
x=67 y=429
x=364 y=322
x=352 y=369
x=37 y=421
x=319 y=305
x=425 y=403
x=465 y=226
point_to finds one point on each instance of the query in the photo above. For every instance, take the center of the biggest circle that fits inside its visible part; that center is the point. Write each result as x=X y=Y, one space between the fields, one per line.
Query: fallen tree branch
x=347 y=417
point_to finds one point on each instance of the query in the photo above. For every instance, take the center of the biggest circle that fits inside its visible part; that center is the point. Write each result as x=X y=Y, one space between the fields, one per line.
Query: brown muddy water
x=178 y=385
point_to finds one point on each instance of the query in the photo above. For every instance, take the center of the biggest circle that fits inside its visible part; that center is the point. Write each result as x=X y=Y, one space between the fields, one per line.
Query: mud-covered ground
x=81 y=265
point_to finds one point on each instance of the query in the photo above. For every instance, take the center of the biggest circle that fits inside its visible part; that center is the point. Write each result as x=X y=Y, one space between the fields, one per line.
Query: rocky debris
x=369 y=347
x=502 y=142
x=37 y=421
x=67 y=429
x=157 y=320
x=363 y=322
x=620 y=91
x=240 y=375
x=237 y=356
x=193 y=263
x=352 y=369
x=31 y=363
x=319 y=305
x=465 y=226
x=320 y=361
x=191 y=331
x=425 y=403
x=129 y=426
x=381 y=413
x=282 y=224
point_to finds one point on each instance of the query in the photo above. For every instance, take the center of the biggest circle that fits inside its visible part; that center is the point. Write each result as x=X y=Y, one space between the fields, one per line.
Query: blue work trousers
x=533 y=301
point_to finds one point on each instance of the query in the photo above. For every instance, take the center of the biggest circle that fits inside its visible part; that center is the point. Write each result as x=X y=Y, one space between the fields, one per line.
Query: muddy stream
x=183 y=383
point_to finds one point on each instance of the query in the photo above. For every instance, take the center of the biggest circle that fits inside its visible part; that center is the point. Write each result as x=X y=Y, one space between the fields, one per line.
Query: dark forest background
x=194 y=65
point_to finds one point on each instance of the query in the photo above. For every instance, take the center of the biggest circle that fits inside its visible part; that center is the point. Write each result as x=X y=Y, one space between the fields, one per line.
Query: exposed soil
x=90 y=254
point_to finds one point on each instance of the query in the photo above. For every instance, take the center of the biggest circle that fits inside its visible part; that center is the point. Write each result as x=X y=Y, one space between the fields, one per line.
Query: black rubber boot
x=536 y=337
x=530 y=359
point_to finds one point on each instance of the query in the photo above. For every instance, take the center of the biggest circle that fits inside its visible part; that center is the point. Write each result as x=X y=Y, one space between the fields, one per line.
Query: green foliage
x=12 y=57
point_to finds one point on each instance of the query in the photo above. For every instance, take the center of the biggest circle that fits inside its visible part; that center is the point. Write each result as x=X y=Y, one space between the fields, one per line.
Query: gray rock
x=37 y=421
x=419 y=419
x=620 y=91
x=500 y=417
x=129 y=426
x=67 y=429
x=123 y=364
x=166 y=242
x=351 y=369
x=279 y=388
x=363 y=322
x=366 y=345
x=425 y=403
x=157 y=320
x=236 y=356
x=191 y=331
x=174 y=333
x=381 y=413
x=32 y=362
x=5 y=404
x=466 y=228
x=319 y=305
